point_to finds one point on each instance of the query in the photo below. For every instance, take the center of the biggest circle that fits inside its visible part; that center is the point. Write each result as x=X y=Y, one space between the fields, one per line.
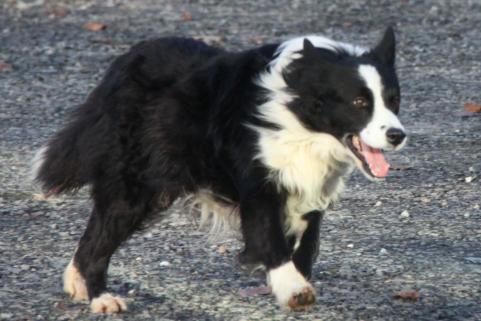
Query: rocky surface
x=420 y=230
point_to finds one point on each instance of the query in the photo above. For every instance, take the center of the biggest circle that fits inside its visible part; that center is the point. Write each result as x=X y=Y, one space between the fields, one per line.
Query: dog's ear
x=307 y=46
x=386 y=48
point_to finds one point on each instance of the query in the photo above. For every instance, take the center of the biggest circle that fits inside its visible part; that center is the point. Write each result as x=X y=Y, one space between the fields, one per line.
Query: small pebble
x=164 y=263
x=404 y=214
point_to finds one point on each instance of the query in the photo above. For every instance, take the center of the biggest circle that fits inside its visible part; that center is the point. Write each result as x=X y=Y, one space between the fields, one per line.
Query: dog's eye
x=360 y=102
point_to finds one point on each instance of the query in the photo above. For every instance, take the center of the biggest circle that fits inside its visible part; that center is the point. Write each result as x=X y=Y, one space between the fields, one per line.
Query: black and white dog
x=268 y=134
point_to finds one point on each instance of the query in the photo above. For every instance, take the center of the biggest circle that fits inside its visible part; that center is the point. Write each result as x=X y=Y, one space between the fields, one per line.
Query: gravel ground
x=371 y=247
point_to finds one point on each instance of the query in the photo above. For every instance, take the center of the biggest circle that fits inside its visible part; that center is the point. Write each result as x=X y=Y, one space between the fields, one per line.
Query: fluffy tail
x=73 y=156
x=67 y=161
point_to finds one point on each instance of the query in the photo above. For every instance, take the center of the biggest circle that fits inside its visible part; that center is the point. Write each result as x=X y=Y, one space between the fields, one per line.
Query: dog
x=267 y=134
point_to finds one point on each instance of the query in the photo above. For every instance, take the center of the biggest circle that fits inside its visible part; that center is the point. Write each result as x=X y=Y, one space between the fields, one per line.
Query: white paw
x=107 y=303
x=74 y=283
x=291 y=289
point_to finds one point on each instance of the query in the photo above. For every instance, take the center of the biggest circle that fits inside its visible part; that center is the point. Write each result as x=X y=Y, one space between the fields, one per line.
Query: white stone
x=404 y=214
x=164 y=263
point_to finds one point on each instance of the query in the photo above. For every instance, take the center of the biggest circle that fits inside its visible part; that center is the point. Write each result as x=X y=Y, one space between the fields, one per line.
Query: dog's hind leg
x=308 y=249
x=74 y=282
x=119 y=210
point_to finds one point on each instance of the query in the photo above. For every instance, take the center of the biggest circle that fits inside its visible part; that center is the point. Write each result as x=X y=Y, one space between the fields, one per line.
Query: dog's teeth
x=355 y=141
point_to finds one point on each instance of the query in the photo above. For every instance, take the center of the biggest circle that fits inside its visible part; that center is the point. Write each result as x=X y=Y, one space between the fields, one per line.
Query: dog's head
x=348 y=92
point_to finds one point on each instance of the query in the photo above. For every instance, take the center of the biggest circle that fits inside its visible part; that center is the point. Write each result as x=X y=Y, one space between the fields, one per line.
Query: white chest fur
x=310 y=166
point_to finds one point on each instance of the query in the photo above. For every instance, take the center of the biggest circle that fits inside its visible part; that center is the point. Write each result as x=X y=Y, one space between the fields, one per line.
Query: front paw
x=291 y=289
x=303 y=300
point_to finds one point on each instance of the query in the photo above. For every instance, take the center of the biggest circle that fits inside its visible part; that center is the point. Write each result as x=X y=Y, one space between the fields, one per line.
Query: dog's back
x=75 y=154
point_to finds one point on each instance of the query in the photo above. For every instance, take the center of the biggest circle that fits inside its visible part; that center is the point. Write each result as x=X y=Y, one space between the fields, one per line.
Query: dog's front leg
x=308 y=250
x=263 y=230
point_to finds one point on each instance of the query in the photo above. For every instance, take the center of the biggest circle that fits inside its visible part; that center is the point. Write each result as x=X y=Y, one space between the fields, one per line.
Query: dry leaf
x=58 y=11
x=472 y=107
x=4 y=66
x=94 y=26
x=186 y=16
x=407 y=295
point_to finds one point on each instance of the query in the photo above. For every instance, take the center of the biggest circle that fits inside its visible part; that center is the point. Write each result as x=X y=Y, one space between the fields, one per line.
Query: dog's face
x=354 y=98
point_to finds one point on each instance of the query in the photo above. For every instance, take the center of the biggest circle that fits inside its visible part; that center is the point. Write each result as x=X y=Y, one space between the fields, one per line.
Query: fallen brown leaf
x=186 y=16
x=94 y=26
x=407 y=295
x=57 y=11
x=4 y=66
x=472 y=107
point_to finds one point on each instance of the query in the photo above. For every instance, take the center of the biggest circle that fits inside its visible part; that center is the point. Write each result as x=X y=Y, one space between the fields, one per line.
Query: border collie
x=267 y=135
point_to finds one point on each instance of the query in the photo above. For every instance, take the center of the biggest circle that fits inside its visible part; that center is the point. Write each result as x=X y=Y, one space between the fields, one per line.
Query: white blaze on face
x=374 y=134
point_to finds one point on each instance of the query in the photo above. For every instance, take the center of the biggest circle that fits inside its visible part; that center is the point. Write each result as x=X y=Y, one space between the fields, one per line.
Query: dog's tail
x=74 y=155
x=69 y=159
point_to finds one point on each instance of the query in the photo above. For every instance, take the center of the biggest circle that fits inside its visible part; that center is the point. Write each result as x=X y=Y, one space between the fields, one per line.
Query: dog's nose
x=395 y=136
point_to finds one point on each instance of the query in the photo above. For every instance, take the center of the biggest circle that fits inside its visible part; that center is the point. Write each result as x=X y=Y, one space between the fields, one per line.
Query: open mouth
x=372 y=160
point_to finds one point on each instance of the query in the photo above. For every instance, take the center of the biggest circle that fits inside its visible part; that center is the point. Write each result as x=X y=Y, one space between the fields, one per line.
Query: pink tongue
x=375 y=159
